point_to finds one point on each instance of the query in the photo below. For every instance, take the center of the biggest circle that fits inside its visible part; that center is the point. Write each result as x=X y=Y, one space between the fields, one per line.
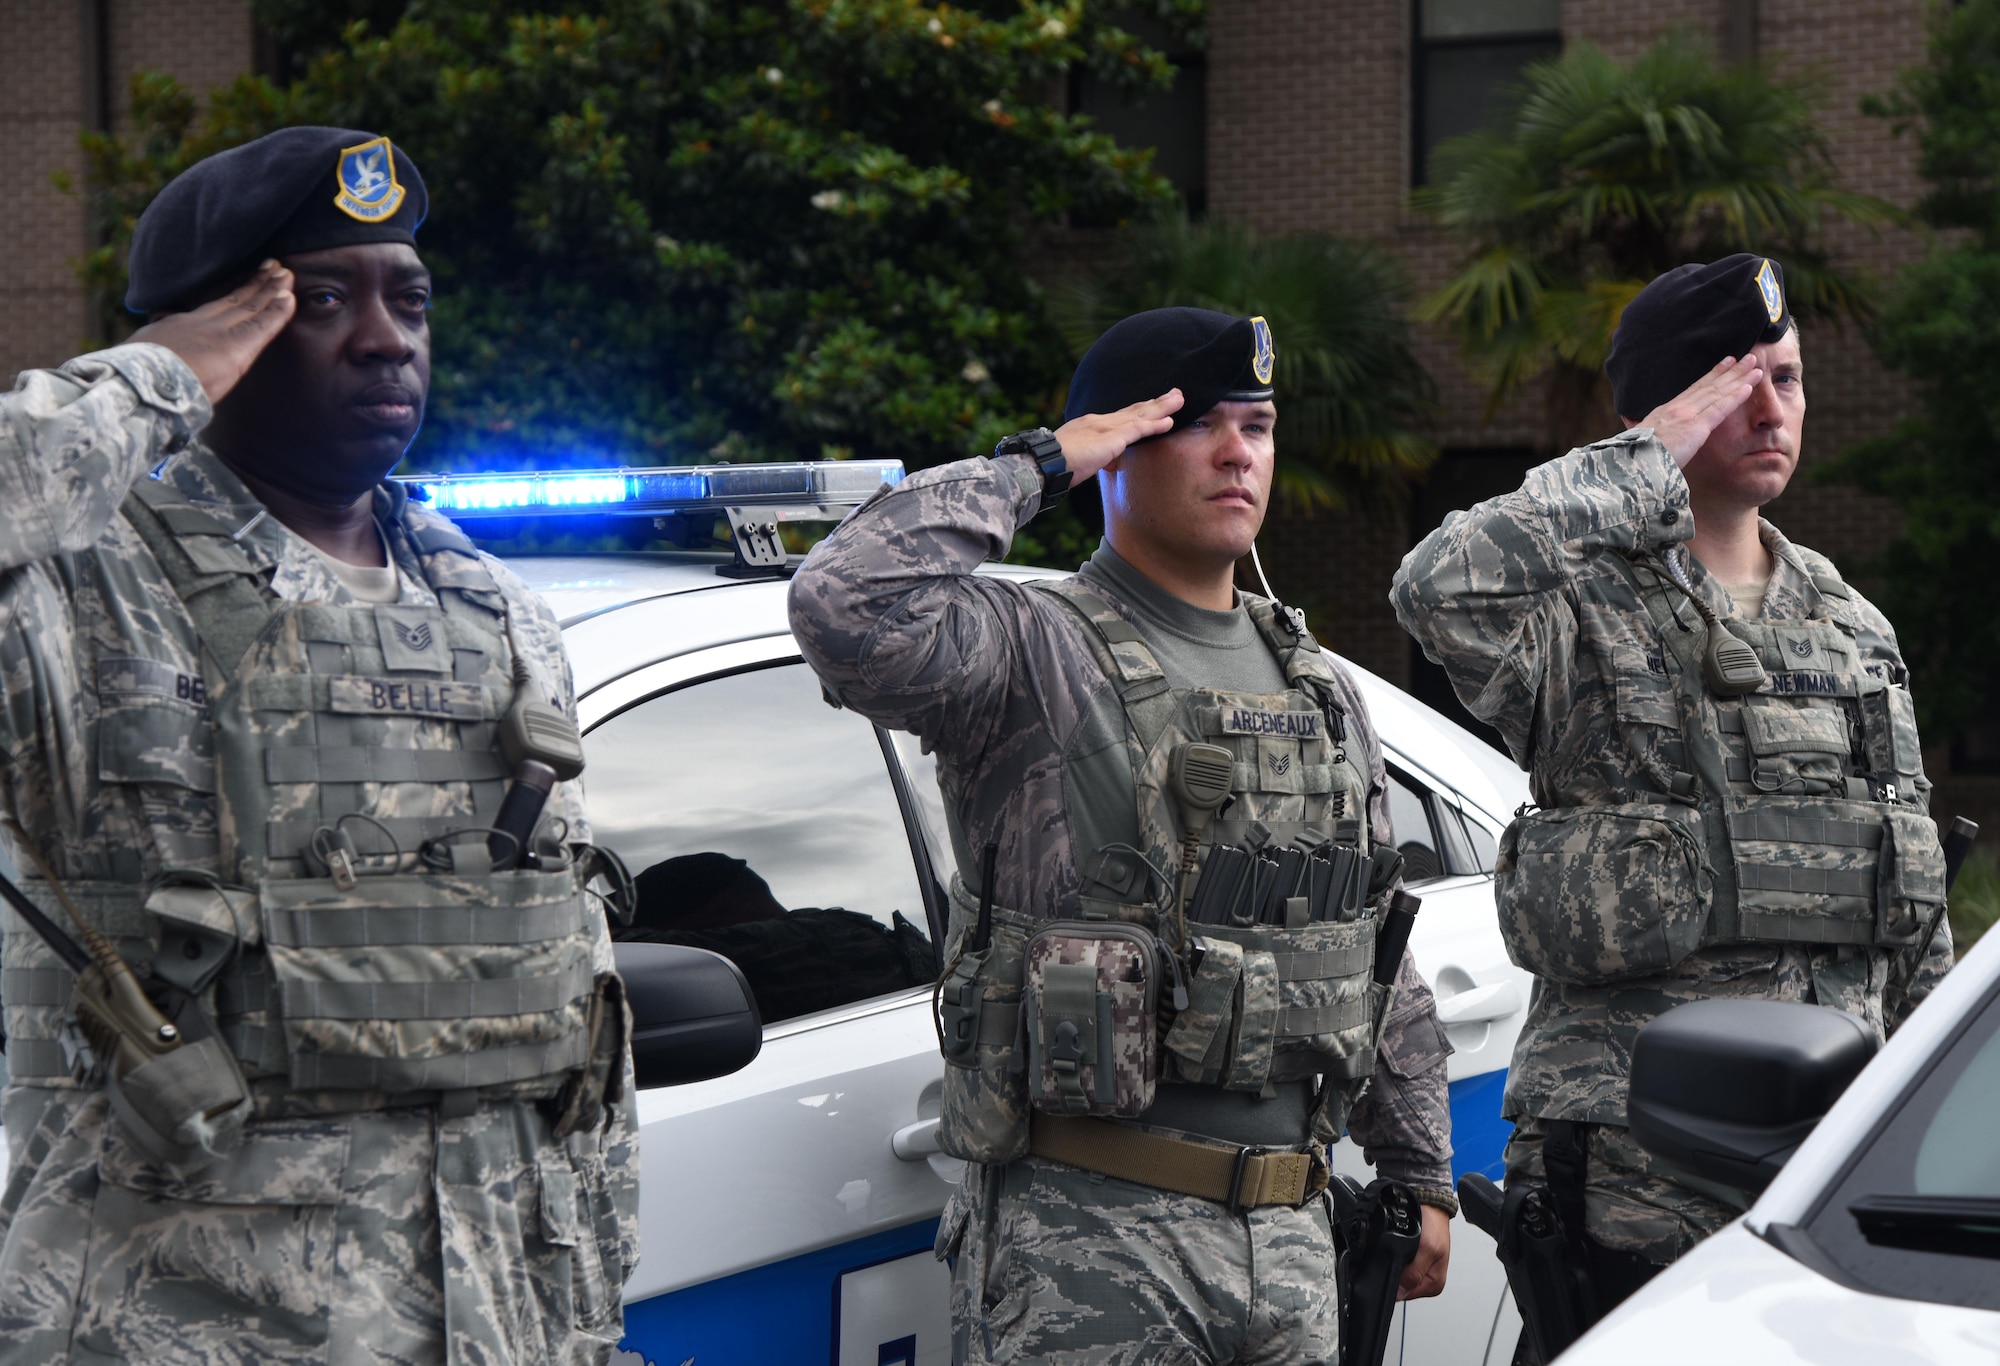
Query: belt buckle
x=1234 y=1203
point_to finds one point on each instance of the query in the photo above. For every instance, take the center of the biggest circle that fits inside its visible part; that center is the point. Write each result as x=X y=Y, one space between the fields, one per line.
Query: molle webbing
x=434 y=1000
x=358 y=764
x=1318 y=964
x=310 y=927
x=500 y=1065
x=1795 y=829
x=292 y=838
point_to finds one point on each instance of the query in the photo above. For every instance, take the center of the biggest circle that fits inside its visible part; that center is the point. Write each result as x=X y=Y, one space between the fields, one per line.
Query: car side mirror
x=693 y=1015
x=1728 y=1089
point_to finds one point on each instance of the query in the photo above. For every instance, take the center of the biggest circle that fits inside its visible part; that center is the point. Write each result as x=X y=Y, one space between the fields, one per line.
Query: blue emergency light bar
x=833 y=485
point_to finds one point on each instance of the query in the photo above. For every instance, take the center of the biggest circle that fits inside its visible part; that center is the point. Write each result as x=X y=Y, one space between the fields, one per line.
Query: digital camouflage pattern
x=1594 y=895
x=340 y=1231
x=1530 y=603
x=1003 y=682
x=1088 y=977
x=1056 y=1265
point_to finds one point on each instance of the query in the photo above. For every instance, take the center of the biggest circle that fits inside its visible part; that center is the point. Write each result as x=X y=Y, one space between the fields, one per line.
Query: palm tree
x=1353 y=396
x=1606 y=175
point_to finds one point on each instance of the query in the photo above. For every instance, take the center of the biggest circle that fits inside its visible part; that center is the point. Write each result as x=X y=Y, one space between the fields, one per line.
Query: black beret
x=295 y=190
x=1210 y=357
x=1686 y=321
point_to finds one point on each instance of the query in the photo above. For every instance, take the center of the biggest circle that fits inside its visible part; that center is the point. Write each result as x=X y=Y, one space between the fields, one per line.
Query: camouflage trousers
x=1632 y=1201
x=1054 y=1264
x=391 y=1236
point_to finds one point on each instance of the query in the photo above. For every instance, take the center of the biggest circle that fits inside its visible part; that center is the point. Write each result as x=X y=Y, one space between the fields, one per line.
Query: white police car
x=788 y=1208
x=1878 y=1241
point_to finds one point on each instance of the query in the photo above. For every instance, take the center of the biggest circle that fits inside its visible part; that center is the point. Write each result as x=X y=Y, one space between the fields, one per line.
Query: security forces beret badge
x=368 y=189
x=1773 y=292
x=1263 y=353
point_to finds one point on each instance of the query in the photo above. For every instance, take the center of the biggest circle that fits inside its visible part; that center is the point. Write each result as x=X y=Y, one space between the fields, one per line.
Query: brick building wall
x=42 y=96
x=49 y=71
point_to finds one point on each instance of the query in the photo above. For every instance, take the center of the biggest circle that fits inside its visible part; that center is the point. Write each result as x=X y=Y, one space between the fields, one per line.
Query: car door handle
x=915 y=1142
x=1480 y=1004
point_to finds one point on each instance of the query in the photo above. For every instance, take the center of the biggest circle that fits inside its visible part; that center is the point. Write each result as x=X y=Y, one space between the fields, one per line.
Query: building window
x=1469 y=54
x=1173 y=122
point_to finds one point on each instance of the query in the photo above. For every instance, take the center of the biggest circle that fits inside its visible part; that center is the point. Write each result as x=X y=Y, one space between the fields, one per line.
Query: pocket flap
x=1774 y=726
x=279 y=1162
x=1413 y=1042
x=232 y=912
x=558 y=1203
x=164 y=741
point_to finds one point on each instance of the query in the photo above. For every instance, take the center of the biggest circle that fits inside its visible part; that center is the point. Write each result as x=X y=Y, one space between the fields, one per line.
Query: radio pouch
x=1089 y=1000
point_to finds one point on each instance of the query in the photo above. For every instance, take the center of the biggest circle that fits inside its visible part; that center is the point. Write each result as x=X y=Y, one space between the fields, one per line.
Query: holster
x=1376 y=1231
x=1563 y=1280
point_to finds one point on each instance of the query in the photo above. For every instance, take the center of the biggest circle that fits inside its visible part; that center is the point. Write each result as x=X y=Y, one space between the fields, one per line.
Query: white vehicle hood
x=1735 y=1298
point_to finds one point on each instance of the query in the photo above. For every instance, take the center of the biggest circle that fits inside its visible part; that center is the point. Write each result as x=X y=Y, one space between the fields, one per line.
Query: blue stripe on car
x=1478 y=1134
x=775 y=1315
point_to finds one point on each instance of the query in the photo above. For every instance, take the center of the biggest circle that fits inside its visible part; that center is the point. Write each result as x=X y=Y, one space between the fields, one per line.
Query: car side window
x=1917 y=1213
x=1434 y=837
x=762 y=824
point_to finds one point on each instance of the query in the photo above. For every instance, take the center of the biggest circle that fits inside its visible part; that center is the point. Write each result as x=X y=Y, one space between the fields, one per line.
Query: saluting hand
x=1684 y=423
x=223 y=338
x=1092 y=441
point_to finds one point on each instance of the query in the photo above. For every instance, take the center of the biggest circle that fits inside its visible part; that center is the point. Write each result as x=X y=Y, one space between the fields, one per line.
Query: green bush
x=1975 y=899
x=673 y=230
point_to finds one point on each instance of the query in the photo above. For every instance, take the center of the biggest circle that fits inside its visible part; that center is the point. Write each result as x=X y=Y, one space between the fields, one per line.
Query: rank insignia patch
x=1774 y=296
x=368 y=187
x=1266 y=354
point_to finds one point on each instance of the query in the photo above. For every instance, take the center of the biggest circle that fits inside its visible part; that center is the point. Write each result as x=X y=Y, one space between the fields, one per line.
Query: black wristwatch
x=1040 y=443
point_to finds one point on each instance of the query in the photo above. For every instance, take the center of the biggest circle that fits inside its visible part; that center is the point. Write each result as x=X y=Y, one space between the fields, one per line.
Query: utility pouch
x=184 y=1109
x=984 y=1111
x=1912 y=879
x=958 y=1009
x=1198 y=1042
x=1089 y=1000
x=1597 y=894
x=1889 y=730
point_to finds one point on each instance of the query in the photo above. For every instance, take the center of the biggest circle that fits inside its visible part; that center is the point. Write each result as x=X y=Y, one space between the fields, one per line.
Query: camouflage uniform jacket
x=91 y=631
x=996 y=678
x=1523 y=602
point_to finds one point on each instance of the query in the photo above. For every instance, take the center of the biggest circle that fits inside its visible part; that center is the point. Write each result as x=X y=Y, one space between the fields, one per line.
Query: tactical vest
x=1265 y=1004
x=373 y=722
x=1791 y=819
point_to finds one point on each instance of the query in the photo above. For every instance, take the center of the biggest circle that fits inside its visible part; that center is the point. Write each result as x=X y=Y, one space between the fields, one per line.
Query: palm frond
x=1603 y=175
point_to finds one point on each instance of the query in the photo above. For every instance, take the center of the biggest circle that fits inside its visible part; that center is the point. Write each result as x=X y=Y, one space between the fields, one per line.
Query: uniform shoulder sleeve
x=74 y=440
x=1490 y=595
x=894 y=617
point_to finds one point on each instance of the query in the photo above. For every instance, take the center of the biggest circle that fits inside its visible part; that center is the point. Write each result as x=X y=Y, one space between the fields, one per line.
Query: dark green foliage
x=1604 y=176
x=1942 y=329
x=675 y=230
